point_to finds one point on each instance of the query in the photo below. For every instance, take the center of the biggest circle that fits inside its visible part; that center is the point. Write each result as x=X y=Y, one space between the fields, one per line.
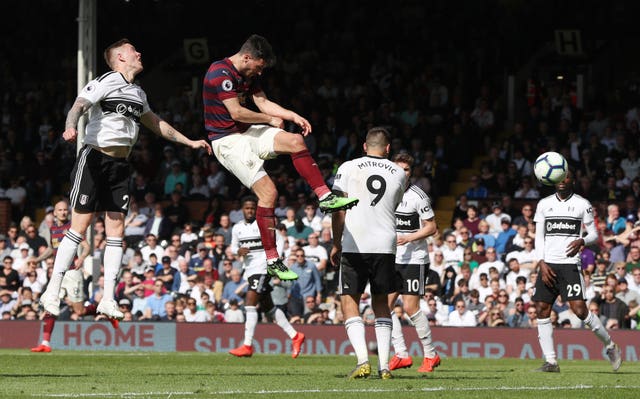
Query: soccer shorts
x=259 y=283
x=72 y=286
x=243 y=154
x=569 y=284
x=99 y=182
x=356 y=270
x=411 y=278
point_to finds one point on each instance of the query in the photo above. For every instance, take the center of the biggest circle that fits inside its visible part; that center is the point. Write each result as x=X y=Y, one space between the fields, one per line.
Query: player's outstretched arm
x=268 y=107
x=79 y=107
x=168 y=132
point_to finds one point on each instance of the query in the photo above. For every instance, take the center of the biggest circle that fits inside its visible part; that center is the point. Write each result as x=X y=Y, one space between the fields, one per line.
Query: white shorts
x=72 y=284
x=243 y=154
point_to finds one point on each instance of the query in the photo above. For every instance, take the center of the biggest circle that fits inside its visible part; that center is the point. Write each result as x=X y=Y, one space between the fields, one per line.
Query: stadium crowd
x=178 y=267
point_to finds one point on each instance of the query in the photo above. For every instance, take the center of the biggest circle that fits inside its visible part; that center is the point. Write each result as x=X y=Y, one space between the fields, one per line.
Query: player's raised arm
x=165 y=130
x=270 y=108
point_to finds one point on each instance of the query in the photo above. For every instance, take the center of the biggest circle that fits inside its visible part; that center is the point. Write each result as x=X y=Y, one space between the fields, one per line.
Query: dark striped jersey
x=223 y=81
x=414 y=208
x=562 y=222
x=57 y=234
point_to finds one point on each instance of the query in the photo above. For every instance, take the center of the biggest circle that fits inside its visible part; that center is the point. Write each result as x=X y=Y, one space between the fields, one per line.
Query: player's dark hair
x=258 y=47
x=249 y=198
x=378 y=137
x=111 y=47
x=404 y=158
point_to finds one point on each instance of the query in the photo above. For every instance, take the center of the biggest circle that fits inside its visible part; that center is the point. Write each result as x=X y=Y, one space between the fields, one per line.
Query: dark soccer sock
x=47 y=327
x=308 y=169
x=267 y=225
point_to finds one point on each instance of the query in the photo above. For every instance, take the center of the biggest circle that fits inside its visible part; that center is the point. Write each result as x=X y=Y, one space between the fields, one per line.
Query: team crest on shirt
x=227 y=85
x=83 y=199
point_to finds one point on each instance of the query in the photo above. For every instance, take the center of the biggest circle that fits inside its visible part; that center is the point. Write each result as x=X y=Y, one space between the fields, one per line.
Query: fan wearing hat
x=167 y=273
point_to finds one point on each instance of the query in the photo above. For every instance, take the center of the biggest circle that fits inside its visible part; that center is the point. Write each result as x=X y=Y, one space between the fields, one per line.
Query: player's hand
x=547 y=274
x=402 y=240
x=574 y=247
x=201 y=144
x=276 y=122
x=242 y=251
x=303 y=123
x=336 y=253
x=70 y=134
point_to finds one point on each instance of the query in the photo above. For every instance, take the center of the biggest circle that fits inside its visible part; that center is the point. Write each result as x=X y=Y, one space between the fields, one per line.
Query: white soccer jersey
x=247 y=235
x=370 y=226
x=315 y=254
x=114 y=117
x=562 y=221
x=414 y=208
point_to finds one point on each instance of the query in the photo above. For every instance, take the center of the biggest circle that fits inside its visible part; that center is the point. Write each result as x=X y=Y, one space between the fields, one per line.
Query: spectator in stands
x=235 y=288
x=460 y=211
x=311 y=219
x=158 y=225
x=472 y=220
x=625 y=294
x=518 y=317
x=176 y=212
x=613 y=308
x=151 y=247
x=224 y=227
x=460 y=316
x=308 y=284
x=9 y=278
x=476 y=190
x=134 y=224
x=316 y=253
x=526 y=189
x=615 y=222
x=495 y=219
x=483 y=233
x=166 y=274
x=216 y=179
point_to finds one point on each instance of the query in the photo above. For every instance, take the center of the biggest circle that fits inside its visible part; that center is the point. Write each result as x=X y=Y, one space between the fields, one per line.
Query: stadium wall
x=492 y=343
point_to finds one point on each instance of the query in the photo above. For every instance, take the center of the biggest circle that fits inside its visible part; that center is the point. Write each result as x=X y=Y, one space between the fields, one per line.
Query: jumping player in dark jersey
x=243 y=139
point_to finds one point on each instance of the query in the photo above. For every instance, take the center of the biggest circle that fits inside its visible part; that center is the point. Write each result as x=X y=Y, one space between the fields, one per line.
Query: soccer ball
x=550 y=168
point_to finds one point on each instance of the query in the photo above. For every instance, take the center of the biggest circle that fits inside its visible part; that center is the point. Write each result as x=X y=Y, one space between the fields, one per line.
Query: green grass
x=74 y=374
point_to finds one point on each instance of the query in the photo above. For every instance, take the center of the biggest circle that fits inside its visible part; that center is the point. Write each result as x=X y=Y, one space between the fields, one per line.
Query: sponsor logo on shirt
x=562 y=227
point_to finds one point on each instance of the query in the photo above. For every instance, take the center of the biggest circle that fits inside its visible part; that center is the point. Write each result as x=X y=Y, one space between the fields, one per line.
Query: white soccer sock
x=545 y=336
x=397 y=338
x=112 y=263
x=250 y=324
x=355 y=332
x=598 y=329
x=421 y=324
x=383 y=328
x=281 y=320
x=67 y=250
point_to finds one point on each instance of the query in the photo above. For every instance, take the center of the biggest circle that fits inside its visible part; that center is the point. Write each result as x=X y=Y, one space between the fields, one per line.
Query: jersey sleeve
x=235 y=241
x=145 y=103
x=95 y=90
x=424 y=209
x=340 y=180
x=539 y=216
x=220 y=83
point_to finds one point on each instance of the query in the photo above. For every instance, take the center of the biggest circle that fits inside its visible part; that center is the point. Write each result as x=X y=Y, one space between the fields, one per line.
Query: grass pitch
x=75 y=374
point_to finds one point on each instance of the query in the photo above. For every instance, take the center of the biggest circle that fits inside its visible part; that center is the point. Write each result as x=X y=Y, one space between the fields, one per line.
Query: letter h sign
x=568 y=42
